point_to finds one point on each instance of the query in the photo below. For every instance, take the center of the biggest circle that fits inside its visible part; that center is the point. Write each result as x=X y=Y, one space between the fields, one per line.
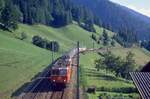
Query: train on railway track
x=62 y=69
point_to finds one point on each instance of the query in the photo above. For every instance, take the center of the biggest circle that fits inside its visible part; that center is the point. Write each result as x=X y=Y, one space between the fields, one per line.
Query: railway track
x=42 y=88
x=57 y=95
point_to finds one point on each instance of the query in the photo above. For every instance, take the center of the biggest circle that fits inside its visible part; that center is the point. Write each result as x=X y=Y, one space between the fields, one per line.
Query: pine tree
x=105 y=37
x=2 y=4
x=10 y=16
x=113 y=43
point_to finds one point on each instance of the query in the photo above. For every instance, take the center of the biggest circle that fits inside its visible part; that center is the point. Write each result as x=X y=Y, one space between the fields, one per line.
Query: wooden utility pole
x=52 y=51
x=78 y=80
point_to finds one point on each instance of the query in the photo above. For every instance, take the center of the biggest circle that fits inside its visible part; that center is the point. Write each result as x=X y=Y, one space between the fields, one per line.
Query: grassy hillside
x=66 y=36
x=105 y=82
x=141 y=57
x=20 y=60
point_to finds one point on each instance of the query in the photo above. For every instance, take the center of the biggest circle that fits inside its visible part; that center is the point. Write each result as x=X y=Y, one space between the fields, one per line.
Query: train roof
x=61 y=63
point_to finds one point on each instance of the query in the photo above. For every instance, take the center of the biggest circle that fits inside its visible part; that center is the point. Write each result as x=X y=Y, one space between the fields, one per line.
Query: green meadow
x=20 y=60
x=106 y=82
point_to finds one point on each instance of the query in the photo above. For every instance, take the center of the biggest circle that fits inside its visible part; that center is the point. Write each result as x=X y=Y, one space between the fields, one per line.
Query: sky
x=142 y=6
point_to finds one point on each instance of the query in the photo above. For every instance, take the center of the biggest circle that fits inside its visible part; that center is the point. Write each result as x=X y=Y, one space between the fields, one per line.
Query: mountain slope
x=119 y=17
x=20 y=60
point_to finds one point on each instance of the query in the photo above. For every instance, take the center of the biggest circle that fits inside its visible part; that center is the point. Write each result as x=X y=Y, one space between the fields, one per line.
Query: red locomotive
x=61 y=71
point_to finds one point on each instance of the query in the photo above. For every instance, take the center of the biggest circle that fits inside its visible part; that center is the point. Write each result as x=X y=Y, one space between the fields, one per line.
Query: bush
x=117 y=96
x=93 y=37
x=120 y=66
x=53 y=46
x=118 y=90
x=43 y=43
x=23 y=36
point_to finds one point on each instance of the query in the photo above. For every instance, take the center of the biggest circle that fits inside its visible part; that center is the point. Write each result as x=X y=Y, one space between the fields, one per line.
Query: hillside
x=20 y=60
x=29 y=28
x=108 y=86
x=118 y=17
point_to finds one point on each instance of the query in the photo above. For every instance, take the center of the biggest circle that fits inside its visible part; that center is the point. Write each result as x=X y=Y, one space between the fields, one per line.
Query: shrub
x=23 y=36
x=43 y=43
x=119 y=90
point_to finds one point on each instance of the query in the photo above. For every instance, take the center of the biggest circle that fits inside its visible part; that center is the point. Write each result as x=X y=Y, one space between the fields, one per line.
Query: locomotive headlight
x=53 y=80
x=64 y=80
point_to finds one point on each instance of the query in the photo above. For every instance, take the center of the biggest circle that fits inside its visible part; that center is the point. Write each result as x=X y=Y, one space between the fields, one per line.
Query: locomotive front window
x=63 y=72
x=57 y=72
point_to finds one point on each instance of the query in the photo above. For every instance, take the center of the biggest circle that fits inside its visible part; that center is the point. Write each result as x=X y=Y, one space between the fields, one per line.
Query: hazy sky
x=142 y=6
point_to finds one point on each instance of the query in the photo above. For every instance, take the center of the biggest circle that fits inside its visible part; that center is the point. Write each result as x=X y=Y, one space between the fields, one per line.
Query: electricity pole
x=52 y=52
x=78 y=80
x=93 y=44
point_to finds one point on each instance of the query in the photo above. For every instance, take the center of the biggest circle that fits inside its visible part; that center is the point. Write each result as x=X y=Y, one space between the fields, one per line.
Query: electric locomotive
x=61 y=71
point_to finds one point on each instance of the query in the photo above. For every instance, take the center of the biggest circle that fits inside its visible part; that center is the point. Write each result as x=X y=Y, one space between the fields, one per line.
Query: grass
x=101 y=79
x=111 y=95
x=140 y=57
x=67 y=36
x=20 y=61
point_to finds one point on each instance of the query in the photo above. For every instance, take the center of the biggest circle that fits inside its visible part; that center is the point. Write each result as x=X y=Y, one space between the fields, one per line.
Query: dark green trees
x=121 y=67
x=10 y=15
x=55 y=13
x=53 y=46
x=84 y=17
x=145 y=44
x=2 y=4
x=44 y=43
x=113 y=43
x=128 y=65
x=105 y=38
x=126 y=37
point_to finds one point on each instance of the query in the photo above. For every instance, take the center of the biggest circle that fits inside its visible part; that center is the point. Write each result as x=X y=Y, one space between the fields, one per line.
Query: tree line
x=44 y=43
x=120 y=66
x=145 y=44
x=55 y=13
x=126 y=37
x=9 y=15
x=104 y=39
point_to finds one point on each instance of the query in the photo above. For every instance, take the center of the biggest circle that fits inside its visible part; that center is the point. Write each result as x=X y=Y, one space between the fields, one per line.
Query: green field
x=104 y=80
x=20 y=60
x=140 y=56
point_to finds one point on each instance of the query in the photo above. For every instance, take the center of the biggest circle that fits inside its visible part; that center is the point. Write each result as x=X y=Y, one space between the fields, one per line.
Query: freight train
x=62 y=69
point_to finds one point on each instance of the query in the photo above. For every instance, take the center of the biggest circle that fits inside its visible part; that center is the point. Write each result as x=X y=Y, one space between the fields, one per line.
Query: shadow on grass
x=20 y=90
x=43 y=86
